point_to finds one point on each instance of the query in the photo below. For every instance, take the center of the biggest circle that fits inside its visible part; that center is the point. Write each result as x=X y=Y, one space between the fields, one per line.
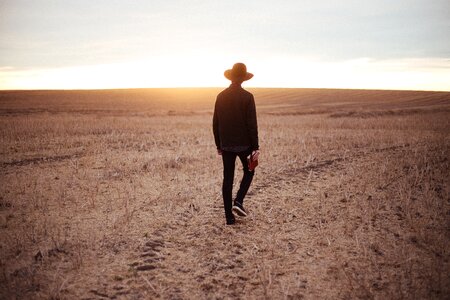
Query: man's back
x=234 y=121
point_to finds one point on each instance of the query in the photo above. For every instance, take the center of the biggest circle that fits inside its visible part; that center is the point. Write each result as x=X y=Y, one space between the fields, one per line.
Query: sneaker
x=231 y=221
x=238 y=208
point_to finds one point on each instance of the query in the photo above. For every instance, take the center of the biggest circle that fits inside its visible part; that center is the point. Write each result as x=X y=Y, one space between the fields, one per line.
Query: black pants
x=229 y=159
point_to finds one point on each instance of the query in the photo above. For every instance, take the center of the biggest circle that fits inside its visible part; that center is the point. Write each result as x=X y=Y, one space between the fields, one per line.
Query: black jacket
x=234 y=121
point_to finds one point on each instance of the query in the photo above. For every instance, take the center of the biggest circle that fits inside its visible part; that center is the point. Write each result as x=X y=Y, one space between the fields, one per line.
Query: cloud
x=80 y=32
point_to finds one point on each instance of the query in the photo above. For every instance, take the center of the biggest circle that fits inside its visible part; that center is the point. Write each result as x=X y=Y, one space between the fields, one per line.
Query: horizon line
x=216 y=87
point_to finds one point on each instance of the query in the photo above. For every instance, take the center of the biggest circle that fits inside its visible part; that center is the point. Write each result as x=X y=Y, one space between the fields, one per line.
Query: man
x=236 y=135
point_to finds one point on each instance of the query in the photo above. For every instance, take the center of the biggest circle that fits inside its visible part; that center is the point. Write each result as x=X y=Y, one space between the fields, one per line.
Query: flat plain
x=116 y=194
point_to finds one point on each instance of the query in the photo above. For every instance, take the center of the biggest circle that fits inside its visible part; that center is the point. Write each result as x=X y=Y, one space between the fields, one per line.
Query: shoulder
x=247 y=96
x=247 y=93
x=223 y=93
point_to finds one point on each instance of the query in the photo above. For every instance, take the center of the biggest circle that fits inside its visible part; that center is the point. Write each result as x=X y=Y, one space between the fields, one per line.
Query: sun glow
x=154 y=72
x=207 y=71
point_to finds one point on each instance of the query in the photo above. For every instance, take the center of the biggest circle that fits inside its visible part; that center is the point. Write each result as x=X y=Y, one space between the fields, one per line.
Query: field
x=117 y=195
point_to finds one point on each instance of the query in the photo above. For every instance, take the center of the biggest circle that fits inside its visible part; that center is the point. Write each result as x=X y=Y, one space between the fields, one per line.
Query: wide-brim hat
x=238 y=72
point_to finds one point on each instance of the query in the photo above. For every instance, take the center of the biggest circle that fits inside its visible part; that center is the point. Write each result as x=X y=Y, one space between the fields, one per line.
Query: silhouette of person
x=236 y=135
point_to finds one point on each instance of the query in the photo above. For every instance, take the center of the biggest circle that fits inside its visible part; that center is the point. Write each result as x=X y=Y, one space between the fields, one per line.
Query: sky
x=363 y=44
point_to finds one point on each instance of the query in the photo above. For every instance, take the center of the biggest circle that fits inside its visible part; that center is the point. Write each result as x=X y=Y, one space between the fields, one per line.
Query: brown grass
x=116 y=194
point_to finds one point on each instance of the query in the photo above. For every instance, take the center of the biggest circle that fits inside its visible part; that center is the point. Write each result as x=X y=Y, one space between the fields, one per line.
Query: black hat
x=238 y=73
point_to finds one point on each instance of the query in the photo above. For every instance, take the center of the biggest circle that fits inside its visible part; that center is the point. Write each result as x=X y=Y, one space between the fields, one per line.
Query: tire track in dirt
x=318 y=167
x=39 y=160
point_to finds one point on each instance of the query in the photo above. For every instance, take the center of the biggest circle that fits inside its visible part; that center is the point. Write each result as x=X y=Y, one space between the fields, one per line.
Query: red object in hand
x=252 y=160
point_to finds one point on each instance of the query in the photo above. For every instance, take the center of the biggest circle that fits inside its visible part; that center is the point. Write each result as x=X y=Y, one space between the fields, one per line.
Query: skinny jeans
x=229 y=160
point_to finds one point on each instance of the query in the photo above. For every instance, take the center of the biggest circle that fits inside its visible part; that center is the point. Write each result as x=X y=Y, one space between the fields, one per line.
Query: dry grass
x=116 y=194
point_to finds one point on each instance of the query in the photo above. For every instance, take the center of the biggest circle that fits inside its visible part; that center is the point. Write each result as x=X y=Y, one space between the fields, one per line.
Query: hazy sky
x=342 y=43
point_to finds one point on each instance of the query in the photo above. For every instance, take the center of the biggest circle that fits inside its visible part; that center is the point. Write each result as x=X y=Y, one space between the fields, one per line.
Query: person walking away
x=235 y=130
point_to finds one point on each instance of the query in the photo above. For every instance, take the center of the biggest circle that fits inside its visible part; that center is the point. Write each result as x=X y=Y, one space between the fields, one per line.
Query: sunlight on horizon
x=207 y=71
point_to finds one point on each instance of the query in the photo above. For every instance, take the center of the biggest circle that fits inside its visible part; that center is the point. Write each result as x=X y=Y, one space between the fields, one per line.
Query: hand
x=255 y=154
x=219 y=151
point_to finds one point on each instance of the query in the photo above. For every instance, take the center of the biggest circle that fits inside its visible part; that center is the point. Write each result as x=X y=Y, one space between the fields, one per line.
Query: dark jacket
x=234 y=121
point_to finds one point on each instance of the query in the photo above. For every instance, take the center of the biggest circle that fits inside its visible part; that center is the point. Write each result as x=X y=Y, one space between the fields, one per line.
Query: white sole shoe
x=239 y=211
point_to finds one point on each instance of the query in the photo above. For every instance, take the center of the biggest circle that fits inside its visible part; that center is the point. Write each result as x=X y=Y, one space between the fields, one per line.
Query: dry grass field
x=117 y=195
